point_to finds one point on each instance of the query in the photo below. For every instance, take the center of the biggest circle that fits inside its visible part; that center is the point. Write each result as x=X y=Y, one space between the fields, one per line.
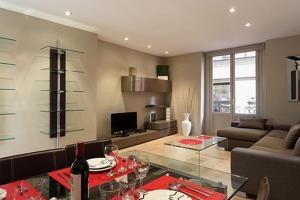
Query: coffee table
x=194 y=151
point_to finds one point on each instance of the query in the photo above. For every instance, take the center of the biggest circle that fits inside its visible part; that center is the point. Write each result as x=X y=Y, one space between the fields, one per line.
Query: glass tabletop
x=204 y=142
x=221 y=182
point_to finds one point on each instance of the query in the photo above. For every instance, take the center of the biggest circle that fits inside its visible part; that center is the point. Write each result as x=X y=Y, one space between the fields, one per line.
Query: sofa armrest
x=234 y=123
x=281 y=169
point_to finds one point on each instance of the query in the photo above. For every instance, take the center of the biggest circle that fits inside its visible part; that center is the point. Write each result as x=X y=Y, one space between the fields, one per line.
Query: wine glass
x=110 y=190
x=111 y=154
x=26 y=188
x=141 y=168
x=127 y=188
x=131 y=157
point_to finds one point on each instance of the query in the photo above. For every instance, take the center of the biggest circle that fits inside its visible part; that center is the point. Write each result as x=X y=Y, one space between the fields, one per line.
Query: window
x=221 y=84
x=234 y=83
x=245 y=83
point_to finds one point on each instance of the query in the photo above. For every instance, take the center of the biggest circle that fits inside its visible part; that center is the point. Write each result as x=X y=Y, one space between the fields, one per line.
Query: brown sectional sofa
x=263 y=153
x=242 y=137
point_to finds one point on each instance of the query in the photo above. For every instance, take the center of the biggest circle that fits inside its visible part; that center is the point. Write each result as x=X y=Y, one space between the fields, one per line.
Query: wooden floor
x=213 y=157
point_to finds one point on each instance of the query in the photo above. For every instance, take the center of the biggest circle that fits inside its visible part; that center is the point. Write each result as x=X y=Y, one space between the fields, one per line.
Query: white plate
x=3 y=193
x=164 y=195
x=103 y=169
x=98 y=163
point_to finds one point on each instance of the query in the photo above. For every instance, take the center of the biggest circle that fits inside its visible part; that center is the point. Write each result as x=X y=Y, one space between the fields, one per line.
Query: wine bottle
x=79 y=175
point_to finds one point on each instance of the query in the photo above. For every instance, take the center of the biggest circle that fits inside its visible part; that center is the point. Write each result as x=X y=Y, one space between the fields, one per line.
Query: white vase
x=186 y=124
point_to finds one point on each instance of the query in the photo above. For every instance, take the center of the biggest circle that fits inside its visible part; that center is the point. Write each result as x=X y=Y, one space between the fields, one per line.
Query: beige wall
x=276 y=104
x=187 y=72
x=113 y=62
x=27 y=101
x=104 y=63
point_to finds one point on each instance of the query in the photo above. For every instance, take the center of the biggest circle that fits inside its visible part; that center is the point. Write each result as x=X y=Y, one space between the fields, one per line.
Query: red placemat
x=190 y=141
x=205 y=137
x=164 y=181
x=11 y=190
x=95 y=178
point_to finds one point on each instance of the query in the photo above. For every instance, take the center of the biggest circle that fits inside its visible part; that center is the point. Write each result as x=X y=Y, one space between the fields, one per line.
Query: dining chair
x=92 y=149
x=264 y=189
x=5 y=170
x=31 y=164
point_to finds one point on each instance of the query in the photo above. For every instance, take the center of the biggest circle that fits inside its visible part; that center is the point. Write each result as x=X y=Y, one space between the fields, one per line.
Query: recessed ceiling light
x=68 y=13
x=149 y=46
x=232 y=10
x=166 y=52
x=126 y=38
x=248 y=24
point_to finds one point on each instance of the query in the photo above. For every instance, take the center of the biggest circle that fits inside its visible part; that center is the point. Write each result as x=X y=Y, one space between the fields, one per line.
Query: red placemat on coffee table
x=11 y=189
x=190 y=141
x=164 y=181
x=205 y=137
x=95 y=178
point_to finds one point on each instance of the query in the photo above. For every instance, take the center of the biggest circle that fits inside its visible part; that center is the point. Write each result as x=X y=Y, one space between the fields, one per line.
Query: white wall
x=31 y=35
x=104 y=64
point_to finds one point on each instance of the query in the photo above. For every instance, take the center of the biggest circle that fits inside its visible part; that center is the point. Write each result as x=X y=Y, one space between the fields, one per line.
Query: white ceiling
x=177 y=26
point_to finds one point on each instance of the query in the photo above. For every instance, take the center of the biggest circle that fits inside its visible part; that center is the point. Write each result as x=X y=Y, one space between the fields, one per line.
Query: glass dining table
x=225 y=185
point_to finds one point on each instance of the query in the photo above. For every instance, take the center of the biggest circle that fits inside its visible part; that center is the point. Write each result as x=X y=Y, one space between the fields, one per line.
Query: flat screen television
x=123 y=123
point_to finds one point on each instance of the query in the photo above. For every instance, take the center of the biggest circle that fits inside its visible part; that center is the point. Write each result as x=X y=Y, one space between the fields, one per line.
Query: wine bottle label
x=76 y=186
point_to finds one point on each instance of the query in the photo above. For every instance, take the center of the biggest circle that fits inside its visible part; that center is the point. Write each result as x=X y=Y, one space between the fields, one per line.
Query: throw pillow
x=254 y=123
x=292 y=136
x=297 y=148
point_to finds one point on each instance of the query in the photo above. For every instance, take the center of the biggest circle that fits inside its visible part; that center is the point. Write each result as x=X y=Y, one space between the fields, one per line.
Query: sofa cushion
x=245 y=134
x=253 y=123
x=273 y=142
x=297 y=148
x=274 y=139
x=281 y=134
x=272 y=150
x=292 y=136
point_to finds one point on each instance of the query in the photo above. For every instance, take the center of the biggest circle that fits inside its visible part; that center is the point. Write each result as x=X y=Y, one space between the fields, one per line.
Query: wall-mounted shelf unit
x=58 y=90
x=62 y=91
x=7 y=39
x=143 y=84
x=7 y=113
x=67 y=130
x=7 y=89
x=6 y=137
x=163 y=126
x=156 y=106
x=48 y=49
x=6 y=83
x=7 y=64
x=63 y=71
x=61 y=111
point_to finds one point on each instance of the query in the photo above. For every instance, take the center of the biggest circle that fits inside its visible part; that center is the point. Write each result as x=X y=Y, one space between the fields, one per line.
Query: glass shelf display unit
x=7 y=62
x=4 y=137
x=58 y=90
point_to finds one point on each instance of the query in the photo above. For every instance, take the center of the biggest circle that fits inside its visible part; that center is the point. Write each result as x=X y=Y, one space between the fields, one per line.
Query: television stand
x=125 y=134
x=139 y=138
